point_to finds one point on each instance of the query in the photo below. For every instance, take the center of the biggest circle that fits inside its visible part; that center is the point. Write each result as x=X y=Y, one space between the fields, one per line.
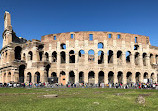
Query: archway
x=110 y=56
x=91 y=79
x=129 y=77
x=81 y=56
x=137 y=77
x=29 y=77
x=21 y=73
x=100 y=57
x=91 y=56
x=71 y=77
x=119 y=76
x=81 y=77
x=71 y=56
x=17 y=52
x=101 y=77
x=111 y=77
x=54 y=77
x=54 y=56
x=37 y=77
x=63 y=57
x=62 y=77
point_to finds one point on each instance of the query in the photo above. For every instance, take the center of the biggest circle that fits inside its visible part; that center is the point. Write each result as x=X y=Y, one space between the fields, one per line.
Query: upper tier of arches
x=95 y=35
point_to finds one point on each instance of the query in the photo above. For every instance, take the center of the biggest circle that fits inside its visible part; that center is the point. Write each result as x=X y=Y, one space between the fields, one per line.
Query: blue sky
x=32 y=19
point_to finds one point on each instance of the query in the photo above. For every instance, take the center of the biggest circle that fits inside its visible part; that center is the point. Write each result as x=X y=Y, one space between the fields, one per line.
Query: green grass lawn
x=77 y=99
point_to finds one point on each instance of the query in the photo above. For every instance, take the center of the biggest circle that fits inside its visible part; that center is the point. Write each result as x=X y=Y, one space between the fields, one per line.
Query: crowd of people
x=82 y=85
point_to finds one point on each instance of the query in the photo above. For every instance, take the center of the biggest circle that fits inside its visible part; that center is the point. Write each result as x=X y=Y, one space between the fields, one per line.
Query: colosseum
x=77 y=57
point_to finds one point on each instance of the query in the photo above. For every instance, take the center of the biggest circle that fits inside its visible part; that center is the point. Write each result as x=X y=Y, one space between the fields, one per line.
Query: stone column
x=50 y=58
x=115 y=77
x=86 y=77
x=105 y=77
x=67 y=77
x=76 y=56
x=124 y=79
x=33 y=77
x=132 y=60
x=105 y=58
x=76 y=77
x=67 y=57
x=96 y=77
x=123 y=59
x=141 y=77
x=133 y=77
x=140 y=60
x=114 y=57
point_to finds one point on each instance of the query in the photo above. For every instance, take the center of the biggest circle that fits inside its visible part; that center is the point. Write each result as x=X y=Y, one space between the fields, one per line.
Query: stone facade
x=77 y=57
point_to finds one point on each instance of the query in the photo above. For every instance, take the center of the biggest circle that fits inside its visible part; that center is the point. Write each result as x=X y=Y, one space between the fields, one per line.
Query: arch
x=136 y=47
x=9 y=77
x=81 y=77
x=62 y=73
x=129 y=77
x=119 y=57
x=137 y=58
x=40 y=55
x=110 y=56
x=81 y=55
x=21 y=73
x=47 y=56
x=72 y=77
x=54 y=77
x=62 y=77
x=40 y=47
x=100 y=57
x=110 y=77
x=63 y=57
x=47 y=69
x=54 y=56
x=30 y=55
x=37 y=77
x=118 y=36
x=91 y=79
x=120 y=77
x=63 y=46
x=91 y=56
x=101 y=77
x=17 y=52
x=29 y=77
x=128 y=56
x=144 y=59
x=100 y=45
x=71 y=56
x=145 y=75
x=137 y=77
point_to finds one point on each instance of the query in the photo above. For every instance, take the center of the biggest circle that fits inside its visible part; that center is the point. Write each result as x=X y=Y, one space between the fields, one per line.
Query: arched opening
x=54 y=77
x=119 y=76
x=62 y=77
x=100 y=45
x=63 y=46
x=129 y=77
x=29 y=77
x=37 y=77
x=145 y=75
x=21 y=73
x=137 y=77
x=81 y=55
x=40 y=47
x=91 y=79
x=9 y=77
x=47 y=69
x=30 y=55
x=71 y=77
x=81 y=77
x=63 y=57
x=144 y=59
x=47 y=56
x=111 y=77
x=136 y=47
x=54 y=56
x=91 y=55
x=110 y=56
x=17 y=52
x=128 y=57
x=101 y=77
x=4 y=78
x=40 y=55
x=100 y=57
x=137 y=58
x=71 y=56
x=119 y=57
